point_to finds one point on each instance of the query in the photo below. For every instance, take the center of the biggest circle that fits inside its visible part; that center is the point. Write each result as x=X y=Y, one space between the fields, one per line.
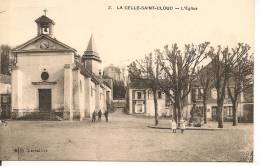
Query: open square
x=123 y=138
x=127 y=81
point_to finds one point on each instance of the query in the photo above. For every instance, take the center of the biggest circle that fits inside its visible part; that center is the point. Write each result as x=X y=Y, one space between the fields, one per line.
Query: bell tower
x=91 y=59
x=44 y=25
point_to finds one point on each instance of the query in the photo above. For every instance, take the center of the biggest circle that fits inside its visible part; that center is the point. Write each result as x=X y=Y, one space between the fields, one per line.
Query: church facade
x=48 y=81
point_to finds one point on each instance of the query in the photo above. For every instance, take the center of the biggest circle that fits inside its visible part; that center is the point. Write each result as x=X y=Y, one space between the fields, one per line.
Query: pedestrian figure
x=1 y=112
x=99 y=115
x=174 y=126
x=3 y=122
x=182 y=125
x=193 y=110
x=94 y=116
x=106 y=115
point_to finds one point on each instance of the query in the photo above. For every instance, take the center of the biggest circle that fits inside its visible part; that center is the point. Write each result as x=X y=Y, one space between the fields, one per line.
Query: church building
x=48 y=82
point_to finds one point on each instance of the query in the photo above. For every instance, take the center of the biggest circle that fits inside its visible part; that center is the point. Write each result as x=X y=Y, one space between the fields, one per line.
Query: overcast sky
x=122 y=36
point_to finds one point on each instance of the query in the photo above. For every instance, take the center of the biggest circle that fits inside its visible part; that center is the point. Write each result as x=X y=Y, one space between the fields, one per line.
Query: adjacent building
x=245 y=107
x=116 y=73
x=5 y=96
x=140 y=102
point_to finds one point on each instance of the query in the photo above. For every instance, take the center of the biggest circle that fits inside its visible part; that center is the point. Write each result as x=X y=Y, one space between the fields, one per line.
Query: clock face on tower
x=44 y=44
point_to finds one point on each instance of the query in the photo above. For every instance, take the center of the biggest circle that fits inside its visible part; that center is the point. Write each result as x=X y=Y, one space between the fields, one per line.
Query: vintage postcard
x=127 y=80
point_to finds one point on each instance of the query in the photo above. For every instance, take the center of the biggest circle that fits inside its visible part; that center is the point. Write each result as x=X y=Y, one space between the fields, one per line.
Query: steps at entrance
x=42 y=116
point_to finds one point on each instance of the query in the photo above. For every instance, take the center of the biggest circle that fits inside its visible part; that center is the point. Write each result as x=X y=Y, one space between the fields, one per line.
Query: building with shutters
x=140 y=102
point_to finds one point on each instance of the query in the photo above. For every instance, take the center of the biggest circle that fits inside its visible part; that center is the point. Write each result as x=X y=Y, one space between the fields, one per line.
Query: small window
x=214 y=111
x=159 y=95
x=139 y=95
x=5 y=99
x=45 y=75
x=45 y=30
x=228 y=111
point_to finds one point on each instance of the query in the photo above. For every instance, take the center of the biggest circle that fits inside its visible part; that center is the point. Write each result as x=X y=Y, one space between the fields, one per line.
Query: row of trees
x=175 y=71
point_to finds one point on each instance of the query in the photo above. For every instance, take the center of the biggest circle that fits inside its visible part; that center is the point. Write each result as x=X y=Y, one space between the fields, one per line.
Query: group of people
x=174 y=126
x=99 y=114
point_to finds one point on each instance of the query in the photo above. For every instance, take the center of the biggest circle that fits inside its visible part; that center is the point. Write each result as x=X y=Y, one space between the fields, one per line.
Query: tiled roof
x=144 y=83
x=93 y=77
x=108 y=82
x=44 y=19
x=91 y=45
x=91 y=51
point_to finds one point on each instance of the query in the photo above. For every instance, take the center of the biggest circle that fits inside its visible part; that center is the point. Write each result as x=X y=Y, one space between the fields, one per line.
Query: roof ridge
x=37 y=38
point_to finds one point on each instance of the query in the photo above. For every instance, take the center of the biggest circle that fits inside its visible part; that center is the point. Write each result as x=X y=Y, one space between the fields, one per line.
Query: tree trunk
x=205 y=112
x=234 y=113
x=155 y=108
x=220 y=102
x=179 y=116
x=174 y=113
x=220 y=116
x=179 y=112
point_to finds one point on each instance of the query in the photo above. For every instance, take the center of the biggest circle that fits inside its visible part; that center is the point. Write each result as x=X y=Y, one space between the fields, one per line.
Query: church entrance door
x=45 y=99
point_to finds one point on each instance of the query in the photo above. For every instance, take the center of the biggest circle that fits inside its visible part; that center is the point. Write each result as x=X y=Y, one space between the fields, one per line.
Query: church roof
x=91 y=45
x=44 y=19
x=91 y=51
x=21 y=48
x=94 y=78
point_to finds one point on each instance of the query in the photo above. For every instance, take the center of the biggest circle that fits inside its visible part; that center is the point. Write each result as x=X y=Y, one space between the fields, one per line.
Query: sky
x=122 y=36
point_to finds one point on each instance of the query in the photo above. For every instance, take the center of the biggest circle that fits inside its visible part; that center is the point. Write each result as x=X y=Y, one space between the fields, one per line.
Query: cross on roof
x=45 y=11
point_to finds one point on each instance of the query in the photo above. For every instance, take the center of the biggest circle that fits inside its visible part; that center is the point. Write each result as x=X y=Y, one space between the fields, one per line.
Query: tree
x=5 y=55
x=225 y=66
x=204 y=78
x=146 y=70
x=219 y=67
x=241 y=75
x=179 y=69
x=119 y=89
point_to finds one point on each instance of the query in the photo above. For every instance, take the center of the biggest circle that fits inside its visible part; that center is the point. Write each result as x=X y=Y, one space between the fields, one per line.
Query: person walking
x=173 y=126
x=182 y=125
x=94 y=116
x=106 y=115
x=1 y=114
x=99 y=115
